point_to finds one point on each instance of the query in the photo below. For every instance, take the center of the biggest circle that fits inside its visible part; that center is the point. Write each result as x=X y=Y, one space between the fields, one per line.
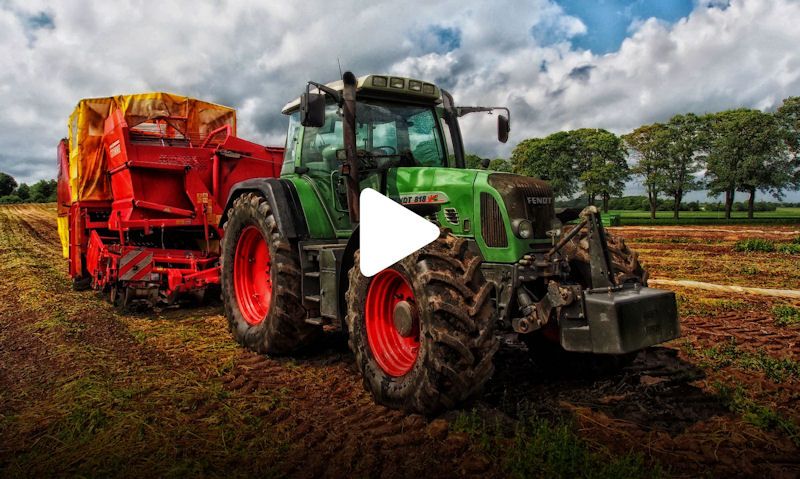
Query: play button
x=389 y=232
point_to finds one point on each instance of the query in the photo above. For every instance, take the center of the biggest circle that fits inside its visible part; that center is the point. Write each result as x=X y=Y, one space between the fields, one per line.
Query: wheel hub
x=404 y=319
x=251 y=275
x=392 y=323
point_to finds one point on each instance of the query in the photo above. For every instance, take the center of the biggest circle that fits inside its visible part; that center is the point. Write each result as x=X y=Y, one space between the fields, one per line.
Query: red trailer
x=143 y=180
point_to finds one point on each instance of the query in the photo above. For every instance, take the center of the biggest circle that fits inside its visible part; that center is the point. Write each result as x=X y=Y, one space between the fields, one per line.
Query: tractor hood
x=526 y=198
x=480 y=204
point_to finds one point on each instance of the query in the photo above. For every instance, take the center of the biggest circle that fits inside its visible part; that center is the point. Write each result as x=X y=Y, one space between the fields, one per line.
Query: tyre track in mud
x=335 y=429
x=755 y=332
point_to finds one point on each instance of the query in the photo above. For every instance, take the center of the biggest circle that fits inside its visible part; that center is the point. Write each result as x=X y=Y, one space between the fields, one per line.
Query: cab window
x=292 y=138
x=387 y=133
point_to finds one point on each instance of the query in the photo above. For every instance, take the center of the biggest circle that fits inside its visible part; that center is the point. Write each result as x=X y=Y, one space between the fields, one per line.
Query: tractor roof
x=386 y=86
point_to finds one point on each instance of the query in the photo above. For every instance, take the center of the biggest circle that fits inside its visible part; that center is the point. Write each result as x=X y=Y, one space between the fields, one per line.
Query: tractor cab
x=404 y=129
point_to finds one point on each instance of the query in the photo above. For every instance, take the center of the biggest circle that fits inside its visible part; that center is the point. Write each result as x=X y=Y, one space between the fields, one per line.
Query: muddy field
x=87 y=391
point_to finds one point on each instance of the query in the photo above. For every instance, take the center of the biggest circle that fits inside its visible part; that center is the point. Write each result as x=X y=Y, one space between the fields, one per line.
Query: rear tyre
x=261 y=281
x=422 y=331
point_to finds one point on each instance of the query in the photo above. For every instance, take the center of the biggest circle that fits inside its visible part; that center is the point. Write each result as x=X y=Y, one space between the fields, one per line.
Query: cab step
x=315 y=298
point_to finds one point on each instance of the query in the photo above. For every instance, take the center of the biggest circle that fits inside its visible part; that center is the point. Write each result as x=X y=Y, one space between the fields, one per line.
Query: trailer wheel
x=120 y=297
x=422 y=331
x=82 y=283
x=261 y=280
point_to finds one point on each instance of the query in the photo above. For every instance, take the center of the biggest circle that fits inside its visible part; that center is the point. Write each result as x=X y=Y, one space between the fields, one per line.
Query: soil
x=87 y=391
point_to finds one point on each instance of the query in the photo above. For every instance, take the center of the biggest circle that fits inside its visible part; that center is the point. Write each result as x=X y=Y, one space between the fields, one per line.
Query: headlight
x=555 y=229
x=522 y=228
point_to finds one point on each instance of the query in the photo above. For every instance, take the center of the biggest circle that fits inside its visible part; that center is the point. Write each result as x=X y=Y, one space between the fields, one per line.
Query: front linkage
x=583 y=297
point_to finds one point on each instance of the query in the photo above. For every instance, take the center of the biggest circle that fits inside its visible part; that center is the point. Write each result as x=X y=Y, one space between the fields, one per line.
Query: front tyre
x=261 y=281
x=422 y=331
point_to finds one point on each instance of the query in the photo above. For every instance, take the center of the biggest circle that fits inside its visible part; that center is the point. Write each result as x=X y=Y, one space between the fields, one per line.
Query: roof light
x=414 y=85
x=428 y=89
x=379 y=81
x=397 y=83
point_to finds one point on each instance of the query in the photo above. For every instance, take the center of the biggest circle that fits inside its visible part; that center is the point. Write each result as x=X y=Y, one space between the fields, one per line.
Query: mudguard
x=282 y=196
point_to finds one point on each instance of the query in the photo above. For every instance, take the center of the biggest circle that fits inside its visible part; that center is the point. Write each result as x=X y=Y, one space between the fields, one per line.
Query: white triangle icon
x=389 y=232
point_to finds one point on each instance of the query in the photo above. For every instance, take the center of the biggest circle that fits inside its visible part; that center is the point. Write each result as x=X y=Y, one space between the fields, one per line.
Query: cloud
x=256 y=56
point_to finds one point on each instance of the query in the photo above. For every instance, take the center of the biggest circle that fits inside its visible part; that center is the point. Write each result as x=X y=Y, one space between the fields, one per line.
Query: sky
x=558 y=64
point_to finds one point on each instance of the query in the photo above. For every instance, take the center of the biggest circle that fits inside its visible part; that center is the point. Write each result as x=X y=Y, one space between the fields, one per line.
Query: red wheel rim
x=394 y=353
x=251 y=278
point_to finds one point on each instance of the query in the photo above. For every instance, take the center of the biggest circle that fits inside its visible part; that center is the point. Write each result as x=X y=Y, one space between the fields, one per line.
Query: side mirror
x=485 y=163
x=312 y=109
x=503 y=127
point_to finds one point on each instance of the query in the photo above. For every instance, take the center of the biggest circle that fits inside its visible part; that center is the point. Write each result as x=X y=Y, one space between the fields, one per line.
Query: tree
x=649 y=144
x=476 y=162
x=684 y=150
x=552 y=159
x=788 y=116
x=766 y=165
x=590 y=160
x=43 y=191
x=601 y=163
x=472 y=161
x=746 y=153
x=7 y=184
x=23 y=191
x=500 y=164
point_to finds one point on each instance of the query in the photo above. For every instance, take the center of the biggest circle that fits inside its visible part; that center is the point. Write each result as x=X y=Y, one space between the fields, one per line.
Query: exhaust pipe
x=350 y=149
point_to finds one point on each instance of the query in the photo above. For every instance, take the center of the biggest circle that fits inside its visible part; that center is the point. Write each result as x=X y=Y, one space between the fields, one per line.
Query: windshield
x=387 y=134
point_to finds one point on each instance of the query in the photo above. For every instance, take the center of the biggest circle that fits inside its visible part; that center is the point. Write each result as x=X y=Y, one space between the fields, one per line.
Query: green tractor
x=425 y=330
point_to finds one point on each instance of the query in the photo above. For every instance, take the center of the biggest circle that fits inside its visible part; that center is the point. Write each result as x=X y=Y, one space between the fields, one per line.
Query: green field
x=779 y=216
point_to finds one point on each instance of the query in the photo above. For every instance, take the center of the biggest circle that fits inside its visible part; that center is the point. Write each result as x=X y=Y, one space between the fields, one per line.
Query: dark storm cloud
x=40 y=20
x=582 y=73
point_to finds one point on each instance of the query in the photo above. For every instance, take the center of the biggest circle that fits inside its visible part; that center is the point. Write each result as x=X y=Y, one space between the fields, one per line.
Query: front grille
x=493 y=229
x=526 y=198
x=451 y=215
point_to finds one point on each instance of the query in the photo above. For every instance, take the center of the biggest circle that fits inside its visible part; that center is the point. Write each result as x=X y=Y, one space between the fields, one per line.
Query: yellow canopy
x=87 y=168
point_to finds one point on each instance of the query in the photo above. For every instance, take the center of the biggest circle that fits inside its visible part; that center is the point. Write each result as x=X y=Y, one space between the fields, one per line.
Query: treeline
x=642 y=203
x=43 y=191
x=732 y=151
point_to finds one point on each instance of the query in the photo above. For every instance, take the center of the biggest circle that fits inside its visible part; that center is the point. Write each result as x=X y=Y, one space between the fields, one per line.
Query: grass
x=763 y=417
x=729 y=354
x=677 y=240
x=786 y=315
x=758 y=245
x=754 y=245
x=749 y=270
x=788 y=248
x=542 y=448
x=779 y=216
x=694 y=306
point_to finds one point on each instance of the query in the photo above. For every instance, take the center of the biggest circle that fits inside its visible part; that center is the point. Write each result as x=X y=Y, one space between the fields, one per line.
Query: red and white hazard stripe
x=135 y=265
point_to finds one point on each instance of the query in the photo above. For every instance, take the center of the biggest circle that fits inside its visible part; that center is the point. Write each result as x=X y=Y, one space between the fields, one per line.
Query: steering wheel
x=385 y=148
